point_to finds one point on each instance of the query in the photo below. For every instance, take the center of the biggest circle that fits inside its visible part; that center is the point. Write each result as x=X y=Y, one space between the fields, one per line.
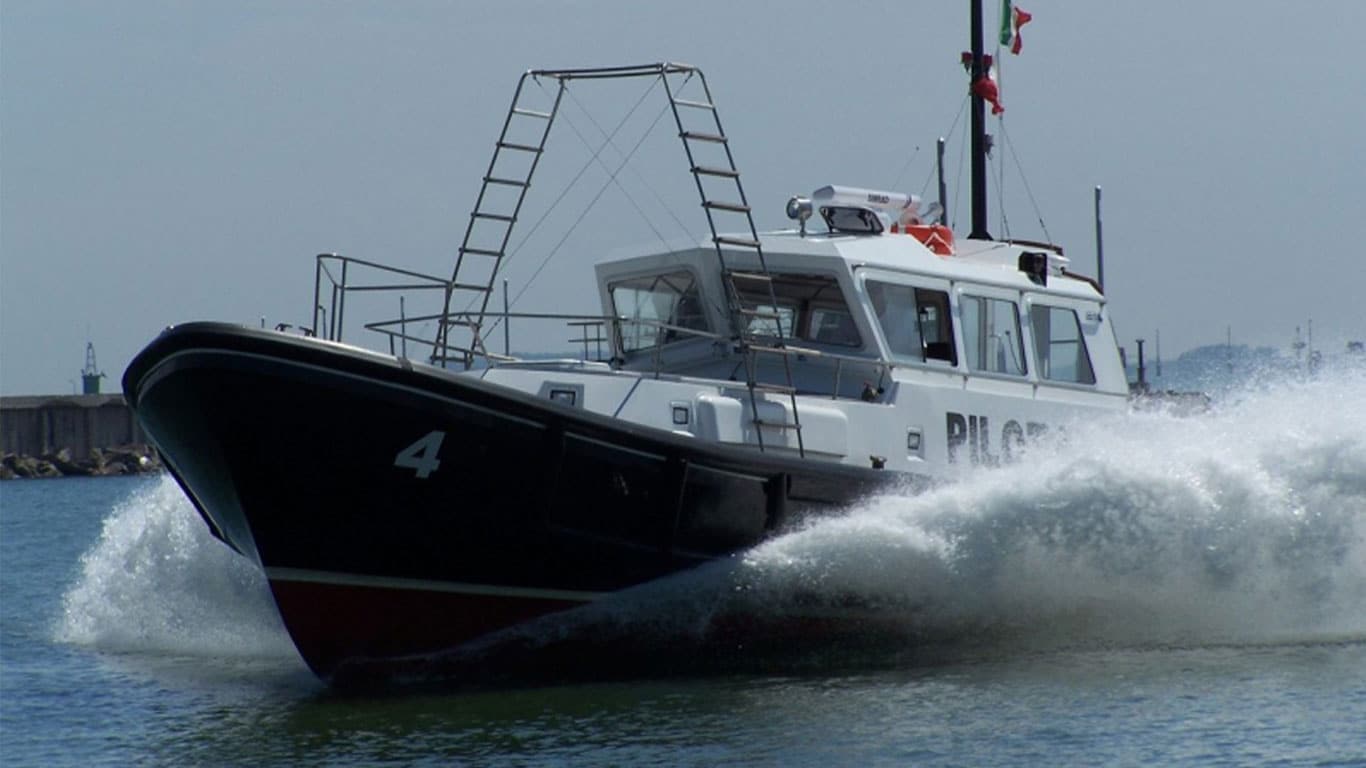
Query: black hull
x=380 y=540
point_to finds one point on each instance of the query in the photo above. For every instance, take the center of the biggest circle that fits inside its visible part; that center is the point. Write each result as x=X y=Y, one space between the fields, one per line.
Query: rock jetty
x=131 y=459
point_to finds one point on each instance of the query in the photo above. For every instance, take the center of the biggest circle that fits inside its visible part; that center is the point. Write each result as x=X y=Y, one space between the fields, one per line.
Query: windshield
x=649 y=302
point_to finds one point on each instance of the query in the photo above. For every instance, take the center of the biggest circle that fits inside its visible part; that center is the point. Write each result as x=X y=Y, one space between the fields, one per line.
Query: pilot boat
x=734 y=387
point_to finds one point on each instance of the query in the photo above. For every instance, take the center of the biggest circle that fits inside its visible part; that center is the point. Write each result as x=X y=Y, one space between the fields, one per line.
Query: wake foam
x=1245 y=525
x=158 y=582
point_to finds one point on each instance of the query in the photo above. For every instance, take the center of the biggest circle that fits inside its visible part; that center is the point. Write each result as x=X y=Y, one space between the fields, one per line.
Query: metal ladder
x=727 y=176
x=491 y=222
x=479 y=259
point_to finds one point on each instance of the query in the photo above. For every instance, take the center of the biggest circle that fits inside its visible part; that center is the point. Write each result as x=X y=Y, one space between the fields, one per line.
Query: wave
x=157 y=581
x=1247 y=524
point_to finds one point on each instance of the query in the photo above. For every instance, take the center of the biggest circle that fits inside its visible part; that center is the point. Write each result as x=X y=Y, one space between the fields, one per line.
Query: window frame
x=974 y=291
x=662 y=337
x=915 y=282
x=1076 y=308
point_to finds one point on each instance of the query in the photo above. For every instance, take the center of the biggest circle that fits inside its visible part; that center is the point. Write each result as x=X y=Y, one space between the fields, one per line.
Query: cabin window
x=915 y=321
x=1059 y=346
x=649 y=303
x=810 y=307
x=991 y=335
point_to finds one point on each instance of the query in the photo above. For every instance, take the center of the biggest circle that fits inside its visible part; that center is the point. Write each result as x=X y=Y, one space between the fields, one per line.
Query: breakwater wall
x=62 y=435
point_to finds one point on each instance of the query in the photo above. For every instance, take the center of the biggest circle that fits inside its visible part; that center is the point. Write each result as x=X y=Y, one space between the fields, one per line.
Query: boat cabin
x=874 y=298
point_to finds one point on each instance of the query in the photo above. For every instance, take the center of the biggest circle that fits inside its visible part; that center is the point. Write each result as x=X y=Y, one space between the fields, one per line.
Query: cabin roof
x=991 y=263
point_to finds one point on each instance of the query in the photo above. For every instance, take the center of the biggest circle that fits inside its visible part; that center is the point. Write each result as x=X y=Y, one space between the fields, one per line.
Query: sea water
x=1144 y=590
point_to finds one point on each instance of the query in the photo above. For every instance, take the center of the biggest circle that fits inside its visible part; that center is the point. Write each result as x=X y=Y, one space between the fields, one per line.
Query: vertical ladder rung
x=733 y=275
x=715 y=138
x=531 y=113
x=518 y=147
x=694 y=104
x=717 y=205
x=725 y=173
x=494 y=216
x=505 y=182
x=743 y=242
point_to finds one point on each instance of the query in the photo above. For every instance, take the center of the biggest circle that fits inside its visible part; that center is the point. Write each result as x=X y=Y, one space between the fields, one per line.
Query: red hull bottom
x=369 y=633
x=333 y=623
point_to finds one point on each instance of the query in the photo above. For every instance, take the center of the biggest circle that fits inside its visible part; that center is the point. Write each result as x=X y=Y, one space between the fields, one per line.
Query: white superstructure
x=900 y=357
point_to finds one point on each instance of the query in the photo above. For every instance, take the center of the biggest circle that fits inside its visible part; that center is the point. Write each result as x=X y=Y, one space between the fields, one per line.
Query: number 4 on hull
x=421 y=455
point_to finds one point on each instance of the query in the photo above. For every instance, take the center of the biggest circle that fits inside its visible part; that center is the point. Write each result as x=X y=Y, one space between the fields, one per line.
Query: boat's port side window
x=810 y=307
x=915 y=321
x=1059 y=346
x=650 y=302
x=991 y=335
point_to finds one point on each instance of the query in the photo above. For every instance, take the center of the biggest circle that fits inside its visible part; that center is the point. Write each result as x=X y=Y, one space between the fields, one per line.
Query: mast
x=943 y=190
x=979 y=131
x=1157 y=352
x=1100 y=247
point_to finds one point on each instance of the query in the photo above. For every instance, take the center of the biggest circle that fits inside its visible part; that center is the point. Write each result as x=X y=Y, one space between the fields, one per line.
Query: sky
x=163 y=162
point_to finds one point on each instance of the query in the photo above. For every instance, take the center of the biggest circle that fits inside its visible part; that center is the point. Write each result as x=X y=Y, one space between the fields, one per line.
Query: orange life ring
x=937 y=237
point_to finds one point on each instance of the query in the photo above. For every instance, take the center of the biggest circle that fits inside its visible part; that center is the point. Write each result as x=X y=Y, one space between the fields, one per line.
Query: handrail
x=396 y=333
x=333 y=314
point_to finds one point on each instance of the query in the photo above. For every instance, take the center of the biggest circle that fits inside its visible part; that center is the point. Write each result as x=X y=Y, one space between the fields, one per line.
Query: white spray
x=1244 y=525
x=157 y=581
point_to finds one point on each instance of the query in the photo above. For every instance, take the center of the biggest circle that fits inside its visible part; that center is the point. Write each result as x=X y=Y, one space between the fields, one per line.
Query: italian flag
x=1012 y=18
